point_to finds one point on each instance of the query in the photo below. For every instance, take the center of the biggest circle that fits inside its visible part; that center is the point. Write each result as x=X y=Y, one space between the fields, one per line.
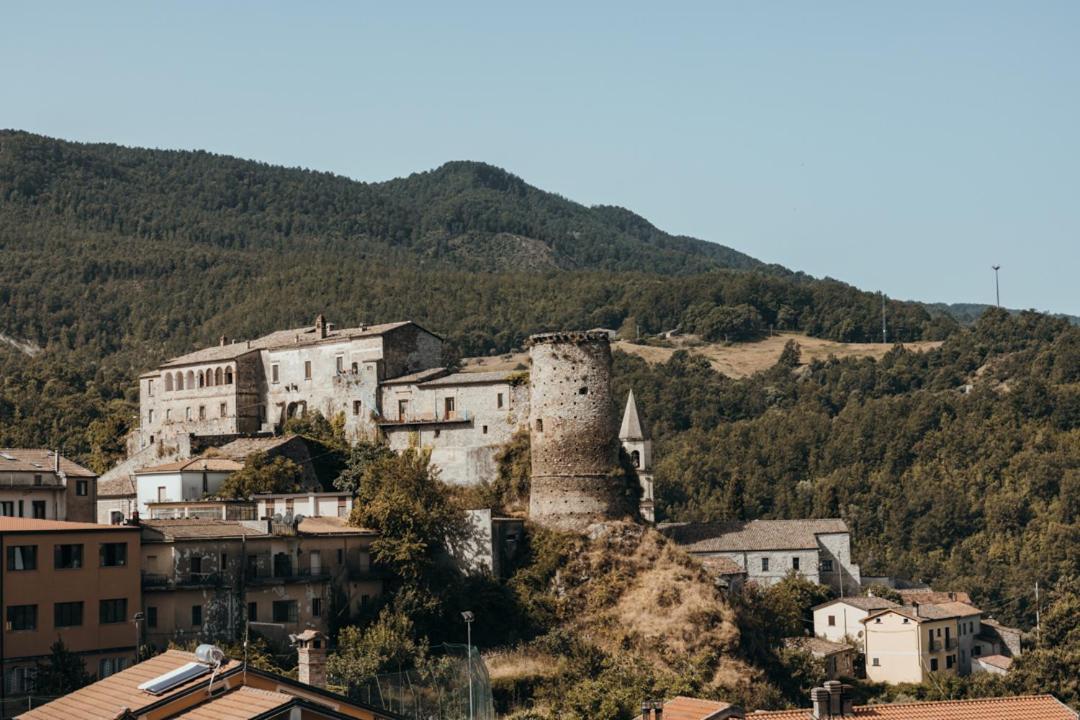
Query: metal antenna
x=997 y=287
x=884 y=334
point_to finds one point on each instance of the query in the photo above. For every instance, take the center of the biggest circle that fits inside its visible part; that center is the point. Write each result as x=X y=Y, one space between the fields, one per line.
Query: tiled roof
x=122 y=486
x=105 y=699
x=688 y=708
x=279 y=339
x=939 y=611
x=35 y=460
x=239 y=704
x=753 y=535
x=198 y=464
x=999 y=661
x=240 y=448
x=1024 y=707
x=863 y=602
x=330 y=526
x=198 y=528
x=416 y=377
x=722 y=565
x=816 y=645
x=16 y=524
x=471 y=378
x=921 y=595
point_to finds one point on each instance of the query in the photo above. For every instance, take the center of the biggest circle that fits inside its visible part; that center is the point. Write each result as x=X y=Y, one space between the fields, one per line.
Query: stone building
x=638 y=447
x=819 y=550
x=203 y=578
x=575 y=452
x=43 y=484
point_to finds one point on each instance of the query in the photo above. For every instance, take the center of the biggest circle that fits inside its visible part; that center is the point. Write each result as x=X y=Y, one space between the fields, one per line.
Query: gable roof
x=753 y=535
x=197 y=464
x=817 y=646
x=631 y=421
x=239 y=704
x=862 y=602
x=722 y=565
x=240 y=448
x=1021 y=707
x=922 y=595
x=36 y=460
x=293 y=337
x=198 y=528
x=1001 y=662
x=688 y=708
x=929 y=613
x=121 y=486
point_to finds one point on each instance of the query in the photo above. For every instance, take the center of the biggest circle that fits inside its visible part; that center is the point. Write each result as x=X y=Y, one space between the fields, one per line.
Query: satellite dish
x=277 y=517
x=210 y=654
x=297 y=519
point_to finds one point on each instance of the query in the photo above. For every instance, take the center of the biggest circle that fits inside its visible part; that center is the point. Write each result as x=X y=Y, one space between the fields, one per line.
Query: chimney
x=832 y=701
x=221 y=341
x=311 y=652
x=134 y=518
x=320 y=325
x=915 y=607
x=819 y=701
x=56 y=461
x=952 y=596
x=835 y=688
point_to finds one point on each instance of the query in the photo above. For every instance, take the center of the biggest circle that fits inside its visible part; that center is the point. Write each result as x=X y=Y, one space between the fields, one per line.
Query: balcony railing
x=414 y=418
x=935 y=646
x=189 y=579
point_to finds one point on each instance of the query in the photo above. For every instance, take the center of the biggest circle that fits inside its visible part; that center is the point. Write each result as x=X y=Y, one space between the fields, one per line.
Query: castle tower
x=575 y=454
x=638 y=446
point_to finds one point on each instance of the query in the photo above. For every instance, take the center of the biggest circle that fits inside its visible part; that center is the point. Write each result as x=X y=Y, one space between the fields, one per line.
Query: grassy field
x=735 y=360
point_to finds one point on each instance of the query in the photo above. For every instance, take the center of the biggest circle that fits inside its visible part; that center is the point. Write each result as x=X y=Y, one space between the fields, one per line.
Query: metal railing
x=415 y=418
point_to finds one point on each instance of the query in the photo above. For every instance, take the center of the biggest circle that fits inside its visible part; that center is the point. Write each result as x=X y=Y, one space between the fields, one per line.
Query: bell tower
x=639 y=447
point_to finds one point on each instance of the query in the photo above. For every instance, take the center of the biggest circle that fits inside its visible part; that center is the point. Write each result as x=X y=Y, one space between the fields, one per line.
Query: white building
x=186 y=480
x=638 y=446
x=769 y=550
x=840 y=620
x=308 y=504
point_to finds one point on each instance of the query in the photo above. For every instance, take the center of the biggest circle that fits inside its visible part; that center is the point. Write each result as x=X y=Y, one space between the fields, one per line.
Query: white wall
x=780 y=564
x=178 y=486
x=310 y=504
x=847 y=624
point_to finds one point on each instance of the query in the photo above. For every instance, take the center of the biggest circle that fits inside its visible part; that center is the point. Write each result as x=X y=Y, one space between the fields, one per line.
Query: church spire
x=631 y=421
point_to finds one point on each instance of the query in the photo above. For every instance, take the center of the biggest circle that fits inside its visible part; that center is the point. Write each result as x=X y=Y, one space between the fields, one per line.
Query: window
x=67 y=557
x=339 y=363
x=116 y=517
x=168 y=415
x=223 y=562
x=832 y=621
x=112 y=611
x=22 y=557
x=67 y=614
x=196 y=615
x=223 y=410
x=764 y=564
x=356 y=367
x=285 y=611
x=539 y=425
x=113 y=554
x=106 y=667
x=357 y=406
x=402 y=409
x=365 y=600
x=7 y=508
x=20 y=680
x=228 y=376
x=933 y=664
x=150 y=417
x=316 y=607
x=22 y=617
x=151 y=617
x=307 y=369
x=82 y=488
x=976 y=650
x=202 y=412
x=289 y=505
x=150 y=387
x=794 y=563
x=196 y=564
x=484 y=430
x=950 y=660
x=253 y=612
x=340 y=554
x=274 y=377
x=448 y=407
x=826 y=566
x=37 y=480
x=38 y=509
x=499 y=400
x=187 y=413
x=876 y=662
x=161 y=493
x=341 y=509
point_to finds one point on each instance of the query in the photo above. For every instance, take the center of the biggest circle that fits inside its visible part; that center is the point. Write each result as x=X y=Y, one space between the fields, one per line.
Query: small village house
x=43 y=484
x=907 y=644
x=840 y=620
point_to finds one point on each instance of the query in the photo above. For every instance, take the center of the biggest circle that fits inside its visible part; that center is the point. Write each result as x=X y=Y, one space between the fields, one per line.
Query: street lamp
x=468 y=617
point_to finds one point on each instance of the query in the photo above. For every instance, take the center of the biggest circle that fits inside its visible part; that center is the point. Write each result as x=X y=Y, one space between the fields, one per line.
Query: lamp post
x=468 y=617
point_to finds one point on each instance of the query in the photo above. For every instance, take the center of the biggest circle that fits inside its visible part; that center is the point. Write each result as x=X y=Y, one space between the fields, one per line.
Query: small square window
x=794 y=563
x=307 y=369
x=764 y=564
x=82 y=488
x=223 y=409
x=832 y=621
x=196 y=615
x=274 y=373
x=876 y=662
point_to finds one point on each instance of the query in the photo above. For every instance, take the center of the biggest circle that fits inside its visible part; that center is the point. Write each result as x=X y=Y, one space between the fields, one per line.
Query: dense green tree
x=262 y=474
x=62 y=672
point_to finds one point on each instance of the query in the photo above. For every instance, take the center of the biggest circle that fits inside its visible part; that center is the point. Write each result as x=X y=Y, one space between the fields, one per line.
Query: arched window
x=218 y=377
x=202 y=379
x=168 y=382
x=228 y=376
x=190 y=379
x=209 y=377
x=179 y=381
x=635 y=457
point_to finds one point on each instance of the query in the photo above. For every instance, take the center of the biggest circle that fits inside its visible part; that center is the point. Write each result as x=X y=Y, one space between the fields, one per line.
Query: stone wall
x=575 y=470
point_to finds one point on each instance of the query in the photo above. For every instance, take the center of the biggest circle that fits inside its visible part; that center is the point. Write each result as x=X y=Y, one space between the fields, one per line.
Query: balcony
x=935 y=646
x=950 y=644
x=413 y=418
x=159 y=581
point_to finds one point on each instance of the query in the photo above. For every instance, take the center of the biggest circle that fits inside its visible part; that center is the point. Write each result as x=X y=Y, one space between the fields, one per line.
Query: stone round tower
x=575 y=451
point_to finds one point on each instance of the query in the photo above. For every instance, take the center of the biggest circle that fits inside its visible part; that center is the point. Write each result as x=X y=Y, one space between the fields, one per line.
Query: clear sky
x=902 y=146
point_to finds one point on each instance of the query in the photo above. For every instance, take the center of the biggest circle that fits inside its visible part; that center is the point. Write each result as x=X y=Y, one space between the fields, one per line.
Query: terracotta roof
x=16 y=524
x=1024 y=707
x=922 y=595
x=722 y=565
x=688 y=708
x=34 y=460
x=753 y=535
x=105 y=699
x=631 y=421
x=816 y=645
x=240 y=448
x=939 y=611
x=123 y=486
x=326 y=525
x=197 y=528
x=279 y=339
x=198 y=464
x=239 y=704
x=998 y=626
x=999 y=661
x=863 y=602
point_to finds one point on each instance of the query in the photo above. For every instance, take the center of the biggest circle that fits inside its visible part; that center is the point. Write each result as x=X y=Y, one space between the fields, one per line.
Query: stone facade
x=575 y=466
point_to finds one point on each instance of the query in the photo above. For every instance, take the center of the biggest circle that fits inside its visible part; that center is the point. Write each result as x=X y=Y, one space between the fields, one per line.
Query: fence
x=438 y=691
x=11 y=707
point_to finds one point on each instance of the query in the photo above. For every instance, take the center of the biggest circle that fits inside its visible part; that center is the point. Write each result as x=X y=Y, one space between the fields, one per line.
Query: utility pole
x=468 y=617
x=884 y=333
x=997 y=287
x=1038 y=619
